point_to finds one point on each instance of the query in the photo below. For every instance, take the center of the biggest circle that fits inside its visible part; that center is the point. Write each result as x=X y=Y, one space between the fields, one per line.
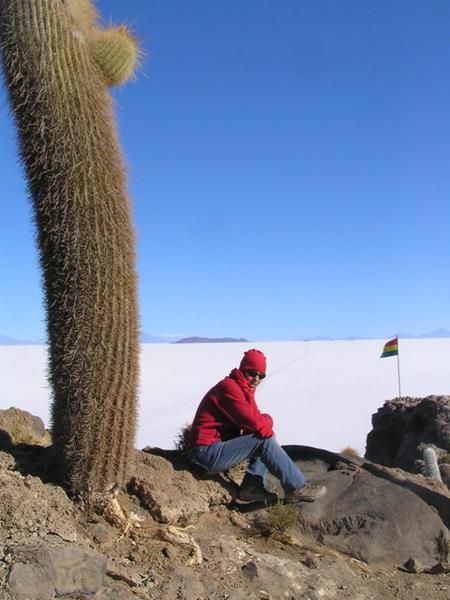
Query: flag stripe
x=390 y=353
x=390 y=348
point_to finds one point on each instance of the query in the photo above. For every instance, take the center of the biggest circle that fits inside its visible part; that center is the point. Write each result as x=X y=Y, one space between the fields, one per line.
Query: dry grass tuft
x=349 y=451
x=182 y=438
x=18 y=436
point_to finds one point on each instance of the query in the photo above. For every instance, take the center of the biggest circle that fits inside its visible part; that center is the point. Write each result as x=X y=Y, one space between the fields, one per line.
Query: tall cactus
x=77 y=183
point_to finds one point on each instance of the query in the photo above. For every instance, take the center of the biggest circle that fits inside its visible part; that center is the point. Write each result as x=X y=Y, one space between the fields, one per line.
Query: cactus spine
x=431 y=464
x=77 y=183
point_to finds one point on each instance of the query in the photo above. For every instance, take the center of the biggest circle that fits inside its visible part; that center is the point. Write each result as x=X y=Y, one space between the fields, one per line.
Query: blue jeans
x=265 y=454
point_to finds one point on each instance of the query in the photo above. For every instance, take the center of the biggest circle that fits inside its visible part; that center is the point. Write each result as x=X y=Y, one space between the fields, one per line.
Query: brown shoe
x=253 y=490
x=257 y=494
x=308 y=493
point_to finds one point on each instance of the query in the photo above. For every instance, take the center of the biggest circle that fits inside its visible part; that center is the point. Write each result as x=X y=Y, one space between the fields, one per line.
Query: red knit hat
x=253 y=359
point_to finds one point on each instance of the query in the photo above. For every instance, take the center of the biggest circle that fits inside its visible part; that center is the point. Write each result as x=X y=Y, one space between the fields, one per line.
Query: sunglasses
x=253 y=373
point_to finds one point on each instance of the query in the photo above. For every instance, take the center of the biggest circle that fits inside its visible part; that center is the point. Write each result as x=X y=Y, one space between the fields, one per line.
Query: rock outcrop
x=404 y=427
x=178 y=534
x=367 y=512
x=19 y=426
x=163 y=481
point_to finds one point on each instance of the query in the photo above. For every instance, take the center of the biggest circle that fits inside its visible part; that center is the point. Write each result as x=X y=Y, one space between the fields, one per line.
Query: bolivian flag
x=390 y=348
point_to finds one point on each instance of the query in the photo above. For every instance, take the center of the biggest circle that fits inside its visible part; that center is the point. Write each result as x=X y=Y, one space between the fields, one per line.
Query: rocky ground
x=175 y=534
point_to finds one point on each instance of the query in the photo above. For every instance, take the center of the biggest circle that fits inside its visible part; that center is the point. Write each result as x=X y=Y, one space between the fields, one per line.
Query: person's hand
x=266 y=430
x=268 y=418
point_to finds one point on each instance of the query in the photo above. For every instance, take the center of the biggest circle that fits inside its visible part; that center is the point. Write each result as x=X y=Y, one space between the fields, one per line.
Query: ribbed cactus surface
x=76 y=179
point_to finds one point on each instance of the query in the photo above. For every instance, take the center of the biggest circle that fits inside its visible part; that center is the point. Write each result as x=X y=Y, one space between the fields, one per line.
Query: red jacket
x=226 y=410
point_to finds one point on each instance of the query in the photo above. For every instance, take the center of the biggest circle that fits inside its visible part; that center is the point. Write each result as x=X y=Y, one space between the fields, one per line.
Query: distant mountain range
x=437 y=333
x=147 y=338
x=205 y=340
x=9 y=341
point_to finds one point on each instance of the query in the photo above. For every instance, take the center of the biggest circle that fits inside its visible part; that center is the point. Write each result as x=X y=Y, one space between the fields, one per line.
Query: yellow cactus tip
x=116 y=53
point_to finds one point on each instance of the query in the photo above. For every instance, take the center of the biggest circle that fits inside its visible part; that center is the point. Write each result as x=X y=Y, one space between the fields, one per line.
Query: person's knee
x=269 y=443
x=272 y=439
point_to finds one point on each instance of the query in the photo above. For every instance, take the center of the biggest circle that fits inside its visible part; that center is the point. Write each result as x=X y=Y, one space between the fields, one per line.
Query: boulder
x=30 y=508
x=167 y=488
x=375 y=516
x=40 y=571
x=402 y=428
x=21 y=427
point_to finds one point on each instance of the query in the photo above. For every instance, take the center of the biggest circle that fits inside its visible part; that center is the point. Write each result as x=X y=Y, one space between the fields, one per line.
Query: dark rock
x=5 y=439
x=412 y=566
x=370 y=516
x=376 y=521
x=438 y=569
x=403 y=427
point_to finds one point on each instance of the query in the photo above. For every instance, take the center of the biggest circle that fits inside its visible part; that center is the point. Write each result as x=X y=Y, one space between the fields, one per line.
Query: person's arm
x=266 y=429
x=243 y=414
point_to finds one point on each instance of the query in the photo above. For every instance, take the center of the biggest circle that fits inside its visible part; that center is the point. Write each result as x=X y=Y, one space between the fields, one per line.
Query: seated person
x=228 y=428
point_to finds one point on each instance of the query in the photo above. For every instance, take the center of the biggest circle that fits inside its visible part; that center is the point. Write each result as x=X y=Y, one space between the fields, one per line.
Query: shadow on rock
x=31 y=459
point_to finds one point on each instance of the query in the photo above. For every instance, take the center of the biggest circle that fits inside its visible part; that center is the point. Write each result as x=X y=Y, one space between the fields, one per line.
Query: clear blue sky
x=289 y=168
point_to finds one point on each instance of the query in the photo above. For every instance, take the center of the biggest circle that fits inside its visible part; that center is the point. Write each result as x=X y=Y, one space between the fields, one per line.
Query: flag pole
x=398 y=370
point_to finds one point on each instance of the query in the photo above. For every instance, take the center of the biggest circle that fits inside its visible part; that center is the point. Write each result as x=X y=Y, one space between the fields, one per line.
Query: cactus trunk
x=77 y=183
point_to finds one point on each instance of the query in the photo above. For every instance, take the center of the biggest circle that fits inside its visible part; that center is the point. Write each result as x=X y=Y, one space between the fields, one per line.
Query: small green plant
x=280 y=519
x=349 y=451
x=445 y=459
x=182 y=438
